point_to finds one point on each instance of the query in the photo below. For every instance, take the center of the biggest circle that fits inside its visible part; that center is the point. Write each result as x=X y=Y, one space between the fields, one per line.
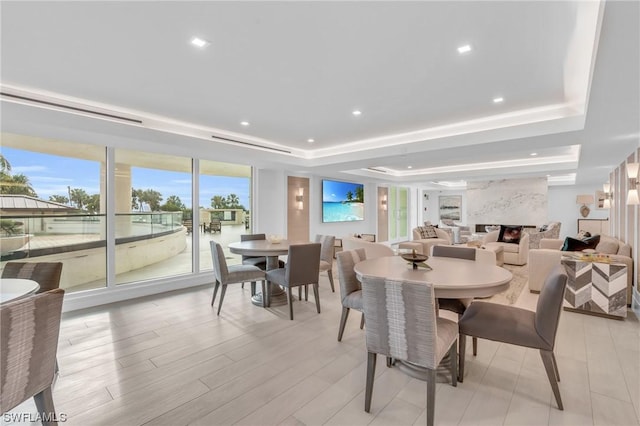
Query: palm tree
x=218 y=202
x=233 y=201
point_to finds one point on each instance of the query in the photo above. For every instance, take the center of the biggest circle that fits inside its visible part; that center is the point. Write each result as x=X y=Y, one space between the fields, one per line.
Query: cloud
x=26 y=169
x=50 y=179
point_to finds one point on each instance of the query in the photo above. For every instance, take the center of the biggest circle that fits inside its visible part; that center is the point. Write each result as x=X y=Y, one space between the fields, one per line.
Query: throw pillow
x=574 y=244
x=510 y=234
x=543 y=228
x=427 y=232
x=608 y=246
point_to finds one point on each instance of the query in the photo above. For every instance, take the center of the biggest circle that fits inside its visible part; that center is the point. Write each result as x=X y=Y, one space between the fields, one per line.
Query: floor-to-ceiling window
x=53 y=207
x=117 y=216
x=225 y=197
x=152 y=195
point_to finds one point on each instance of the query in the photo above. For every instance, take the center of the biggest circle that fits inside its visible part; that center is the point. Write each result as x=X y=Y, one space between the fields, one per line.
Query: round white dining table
x=451 y=278
x=271 y=251
x=16 y=288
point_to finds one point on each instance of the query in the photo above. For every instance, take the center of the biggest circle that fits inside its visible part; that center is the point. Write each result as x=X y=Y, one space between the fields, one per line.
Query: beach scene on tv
x=342 y=201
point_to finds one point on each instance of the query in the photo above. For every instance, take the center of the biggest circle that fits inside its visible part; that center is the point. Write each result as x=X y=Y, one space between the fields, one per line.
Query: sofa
x=514 y=254
x=442 y=238
x=542 y=260
x=371 y=249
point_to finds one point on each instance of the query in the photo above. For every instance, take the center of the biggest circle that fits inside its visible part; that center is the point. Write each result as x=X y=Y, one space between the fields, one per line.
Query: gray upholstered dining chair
x=30 y=327
x=302 y=268
x=47 y=274
x=350 y=287
x=456 y=305
x=402 y=324
x=232 y=274
x=326 y=256
x=508 y=324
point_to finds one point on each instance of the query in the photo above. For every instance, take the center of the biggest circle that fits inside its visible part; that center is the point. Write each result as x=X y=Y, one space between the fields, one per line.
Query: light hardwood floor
x=169 y=360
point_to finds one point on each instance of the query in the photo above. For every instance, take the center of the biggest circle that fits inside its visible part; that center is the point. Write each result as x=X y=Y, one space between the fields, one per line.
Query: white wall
x=270 y=216
x=563 y=207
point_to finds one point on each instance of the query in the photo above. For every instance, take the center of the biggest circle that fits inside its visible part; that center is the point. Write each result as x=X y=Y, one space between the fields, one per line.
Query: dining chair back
x=302 y=268
x=402 y=324
x=517 y=326
x=350 y=287
x=232 y=274
x=468 y=253
x=30 y=327
x=46 y=274
x=458 y=306
x=326 y=255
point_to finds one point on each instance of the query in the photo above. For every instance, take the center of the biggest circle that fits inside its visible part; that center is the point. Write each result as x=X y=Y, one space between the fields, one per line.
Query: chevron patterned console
x=596 y=288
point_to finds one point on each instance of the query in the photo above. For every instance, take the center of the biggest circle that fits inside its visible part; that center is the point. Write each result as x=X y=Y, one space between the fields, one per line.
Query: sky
x=51 y=175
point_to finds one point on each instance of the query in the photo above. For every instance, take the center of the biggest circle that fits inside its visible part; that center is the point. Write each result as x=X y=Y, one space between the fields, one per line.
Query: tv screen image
x=342 y=201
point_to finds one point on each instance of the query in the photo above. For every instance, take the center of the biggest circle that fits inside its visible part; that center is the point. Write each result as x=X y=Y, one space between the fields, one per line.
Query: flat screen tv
x=342 y=201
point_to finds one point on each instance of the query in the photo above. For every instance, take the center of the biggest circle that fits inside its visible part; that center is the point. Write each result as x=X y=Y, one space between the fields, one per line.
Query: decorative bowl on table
x=274 y=239
x=415 y=258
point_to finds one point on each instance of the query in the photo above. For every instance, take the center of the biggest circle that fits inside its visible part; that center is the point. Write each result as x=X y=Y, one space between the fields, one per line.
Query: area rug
x=517 y=285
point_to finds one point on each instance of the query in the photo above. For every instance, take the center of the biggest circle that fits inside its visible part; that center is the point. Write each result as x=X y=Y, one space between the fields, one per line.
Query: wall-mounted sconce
x=300 y=199
x=383 y=203
x=608 y=196
x=584 y=200
x=632 y=174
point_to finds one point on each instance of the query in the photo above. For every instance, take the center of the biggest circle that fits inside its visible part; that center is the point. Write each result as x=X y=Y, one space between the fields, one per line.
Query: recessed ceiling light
x=533 y=154
x=311 y=140
x=198 y=42
x=244 y=123
x=357 y=112
x=409 y=167
x=464 y=49
x=498 y=100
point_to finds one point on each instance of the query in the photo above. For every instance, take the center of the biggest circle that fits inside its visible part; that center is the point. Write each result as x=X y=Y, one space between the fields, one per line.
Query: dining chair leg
x=453 y=359
x=264 y=294
x=555 y=366
x=290 y=302
x=330 y=273
x=300 y=293
x=306 y=293
x=474 y=340
x=371 y=372
x=547 y=360
x=222 y=292
x=215 y=291
x=462 y=351
x=362 y=321
x=253 y=288
x=343 y=322
x=44 y=405
x=316 y=293
x=431 y=396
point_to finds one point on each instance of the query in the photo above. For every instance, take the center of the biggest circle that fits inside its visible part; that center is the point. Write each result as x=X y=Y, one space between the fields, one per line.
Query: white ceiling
x=568 y=72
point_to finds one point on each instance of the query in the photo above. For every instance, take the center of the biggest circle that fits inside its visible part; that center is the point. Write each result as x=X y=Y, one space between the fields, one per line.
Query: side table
x=596 y=288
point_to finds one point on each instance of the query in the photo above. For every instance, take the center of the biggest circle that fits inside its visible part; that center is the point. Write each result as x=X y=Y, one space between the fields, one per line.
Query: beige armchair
x=552 y=231
x=442 y=238
x=514 y=254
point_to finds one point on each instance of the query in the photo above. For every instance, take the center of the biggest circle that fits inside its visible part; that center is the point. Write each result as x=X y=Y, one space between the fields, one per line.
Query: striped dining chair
x=402 y=324
x=30 y=327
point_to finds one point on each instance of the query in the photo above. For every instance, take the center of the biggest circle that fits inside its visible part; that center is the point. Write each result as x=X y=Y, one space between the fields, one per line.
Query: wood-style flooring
x=169 y=360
